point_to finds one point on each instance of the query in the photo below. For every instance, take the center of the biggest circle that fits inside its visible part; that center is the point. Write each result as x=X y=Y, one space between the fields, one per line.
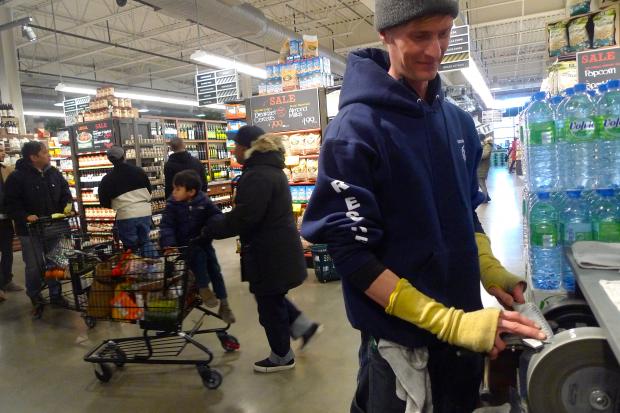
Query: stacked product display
x=106 y=105
x=235 y=119
x=300 y=67
x=573 y=171
x=583 y=30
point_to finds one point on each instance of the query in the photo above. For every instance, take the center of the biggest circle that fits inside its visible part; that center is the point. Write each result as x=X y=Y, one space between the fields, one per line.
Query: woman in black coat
x=272 y=258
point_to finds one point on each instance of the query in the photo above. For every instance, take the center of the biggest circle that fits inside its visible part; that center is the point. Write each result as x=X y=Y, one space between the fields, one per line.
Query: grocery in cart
x=157 y=294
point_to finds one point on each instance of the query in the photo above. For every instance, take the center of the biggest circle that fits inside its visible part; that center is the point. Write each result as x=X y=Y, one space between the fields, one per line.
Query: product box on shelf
x=591 y=30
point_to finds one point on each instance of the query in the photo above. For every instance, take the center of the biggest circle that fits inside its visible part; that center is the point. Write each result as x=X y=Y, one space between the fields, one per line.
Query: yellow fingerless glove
x=68 y=208
x=474 y=331
x=492 y=272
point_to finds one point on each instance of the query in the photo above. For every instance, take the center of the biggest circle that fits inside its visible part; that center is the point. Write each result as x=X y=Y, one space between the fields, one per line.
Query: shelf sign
x=94 y=136
x=491 y=116
x=457 y=54
x=289 y=111
x=72 y=107
x=217 y=87
x=598 y=66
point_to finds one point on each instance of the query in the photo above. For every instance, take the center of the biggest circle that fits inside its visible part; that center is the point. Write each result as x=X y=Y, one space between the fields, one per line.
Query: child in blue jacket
x=187 y=211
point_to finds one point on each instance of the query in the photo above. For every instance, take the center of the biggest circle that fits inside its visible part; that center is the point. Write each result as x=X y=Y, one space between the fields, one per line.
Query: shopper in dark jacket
x=187 y=211
x=182 y=160
x=6 y=235
x=35 y=190
x=127 y=190
x=485 y=165
x=272 y=258
x=395 y=201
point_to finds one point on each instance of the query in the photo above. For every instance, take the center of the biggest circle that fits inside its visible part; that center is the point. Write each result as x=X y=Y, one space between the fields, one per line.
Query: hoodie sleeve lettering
x=343 y=211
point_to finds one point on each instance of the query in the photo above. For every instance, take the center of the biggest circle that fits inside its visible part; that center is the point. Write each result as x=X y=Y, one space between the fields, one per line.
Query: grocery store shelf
x=90 y=203
x=217 y=141
x=90 y=168
x=157 y=211
x=223 y=201
x=100 y=219
x=302 y=183
x=228 y=181
x=316 y=156
x=188 y=141
x=90 y=153
x=293 y=132
x=219 y=160
x=204 y=161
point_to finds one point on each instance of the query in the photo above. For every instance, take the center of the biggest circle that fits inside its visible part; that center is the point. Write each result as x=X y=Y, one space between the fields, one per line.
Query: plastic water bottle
x=606 y=217
x=562 y=144
x=580 y=132
x=541 y=150
x=602 y=89
x=608 y=125
x=546 y=249
x=575 y=225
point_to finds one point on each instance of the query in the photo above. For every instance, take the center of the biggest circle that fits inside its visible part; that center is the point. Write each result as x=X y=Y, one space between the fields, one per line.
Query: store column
x=10 y=87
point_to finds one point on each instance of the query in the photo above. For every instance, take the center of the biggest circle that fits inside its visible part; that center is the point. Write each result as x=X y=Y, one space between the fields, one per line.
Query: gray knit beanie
x=390 y=13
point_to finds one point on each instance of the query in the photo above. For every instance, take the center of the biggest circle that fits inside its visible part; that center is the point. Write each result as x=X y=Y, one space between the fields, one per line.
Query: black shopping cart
x=53 y=241
x=157 y=294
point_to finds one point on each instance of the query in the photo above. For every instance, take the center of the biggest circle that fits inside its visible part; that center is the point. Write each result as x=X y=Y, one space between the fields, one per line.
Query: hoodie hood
x=266 y=150
x=22 y=165
x=370 y=67
x=181 y=157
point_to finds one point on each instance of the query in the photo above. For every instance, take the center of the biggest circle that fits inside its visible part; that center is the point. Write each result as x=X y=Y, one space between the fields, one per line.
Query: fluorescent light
x=153 y=98
x=59 y=104
x=143 y=110
x=82 y=90
x=512 y=102
x=216 y=106
x=44 y=114
x=222 y=62
x=473 y=76
x=201 y=115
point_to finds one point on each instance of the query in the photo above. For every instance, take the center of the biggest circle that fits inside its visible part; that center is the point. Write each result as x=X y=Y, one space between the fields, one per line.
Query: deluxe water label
x=582 y=129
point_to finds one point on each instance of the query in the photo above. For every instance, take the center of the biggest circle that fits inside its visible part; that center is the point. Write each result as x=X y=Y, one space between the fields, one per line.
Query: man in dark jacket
x=395 y=201
x=485 y=165
x=127 y=190
x=6 y=236
x=35 y=190
x=272 y=258
x=181 y=160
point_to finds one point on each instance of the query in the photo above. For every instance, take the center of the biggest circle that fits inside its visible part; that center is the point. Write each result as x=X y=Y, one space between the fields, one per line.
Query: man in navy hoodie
x=395 y=201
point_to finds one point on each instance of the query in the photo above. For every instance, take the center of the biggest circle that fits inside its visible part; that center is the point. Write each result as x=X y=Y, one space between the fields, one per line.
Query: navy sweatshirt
x=397 y=188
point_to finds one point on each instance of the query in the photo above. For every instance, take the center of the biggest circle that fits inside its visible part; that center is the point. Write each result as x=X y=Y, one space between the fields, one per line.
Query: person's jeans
x=281 y=321
x=203 y=263
x=6 y=249
x=455 y=380
x=134 y=234
x=33 y=250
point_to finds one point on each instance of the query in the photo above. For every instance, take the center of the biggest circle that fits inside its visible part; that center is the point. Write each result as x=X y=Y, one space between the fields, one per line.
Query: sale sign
x=598 y=66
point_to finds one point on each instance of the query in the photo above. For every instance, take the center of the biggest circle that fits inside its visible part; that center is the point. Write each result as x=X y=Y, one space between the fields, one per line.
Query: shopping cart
x=157 y=294
x=53 y=241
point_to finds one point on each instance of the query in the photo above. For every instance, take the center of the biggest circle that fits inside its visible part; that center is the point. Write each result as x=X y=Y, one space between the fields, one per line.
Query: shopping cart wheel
x=229 y=343
x=212 y=379
x=90 y=322
x=103 y=372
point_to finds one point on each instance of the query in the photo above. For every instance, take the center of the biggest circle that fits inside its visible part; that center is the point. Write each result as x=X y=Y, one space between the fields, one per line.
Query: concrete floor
x=42 y=370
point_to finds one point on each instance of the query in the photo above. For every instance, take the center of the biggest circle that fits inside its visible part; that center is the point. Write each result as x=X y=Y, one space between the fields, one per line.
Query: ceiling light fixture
x=143 y=110
x=222 y=62
x=83 y=90
x=43 y=114
x=216 y=106
x=473 y=76
x=29 y=34
x=59 y=104
x=24 y=21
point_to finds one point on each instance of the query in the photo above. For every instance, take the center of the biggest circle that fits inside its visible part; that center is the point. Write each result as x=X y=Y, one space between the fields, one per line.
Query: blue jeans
x=34 y=258
x=203 y=263
x=134 y=234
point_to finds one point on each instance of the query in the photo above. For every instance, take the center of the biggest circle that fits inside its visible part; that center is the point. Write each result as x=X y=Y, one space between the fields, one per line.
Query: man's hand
x=508 y=299
x=514 y=323
x=32 y=218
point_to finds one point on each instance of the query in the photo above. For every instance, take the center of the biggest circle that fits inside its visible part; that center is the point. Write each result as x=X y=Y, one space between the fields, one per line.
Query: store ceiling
x=96 y=40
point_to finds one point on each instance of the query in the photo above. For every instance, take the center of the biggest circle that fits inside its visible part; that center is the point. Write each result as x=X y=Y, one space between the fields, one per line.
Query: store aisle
x=42 y=368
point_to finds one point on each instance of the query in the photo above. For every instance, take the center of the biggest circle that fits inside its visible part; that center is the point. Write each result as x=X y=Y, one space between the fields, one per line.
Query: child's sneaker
x=208 y=297
x=226 y=313
x=268 y=366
